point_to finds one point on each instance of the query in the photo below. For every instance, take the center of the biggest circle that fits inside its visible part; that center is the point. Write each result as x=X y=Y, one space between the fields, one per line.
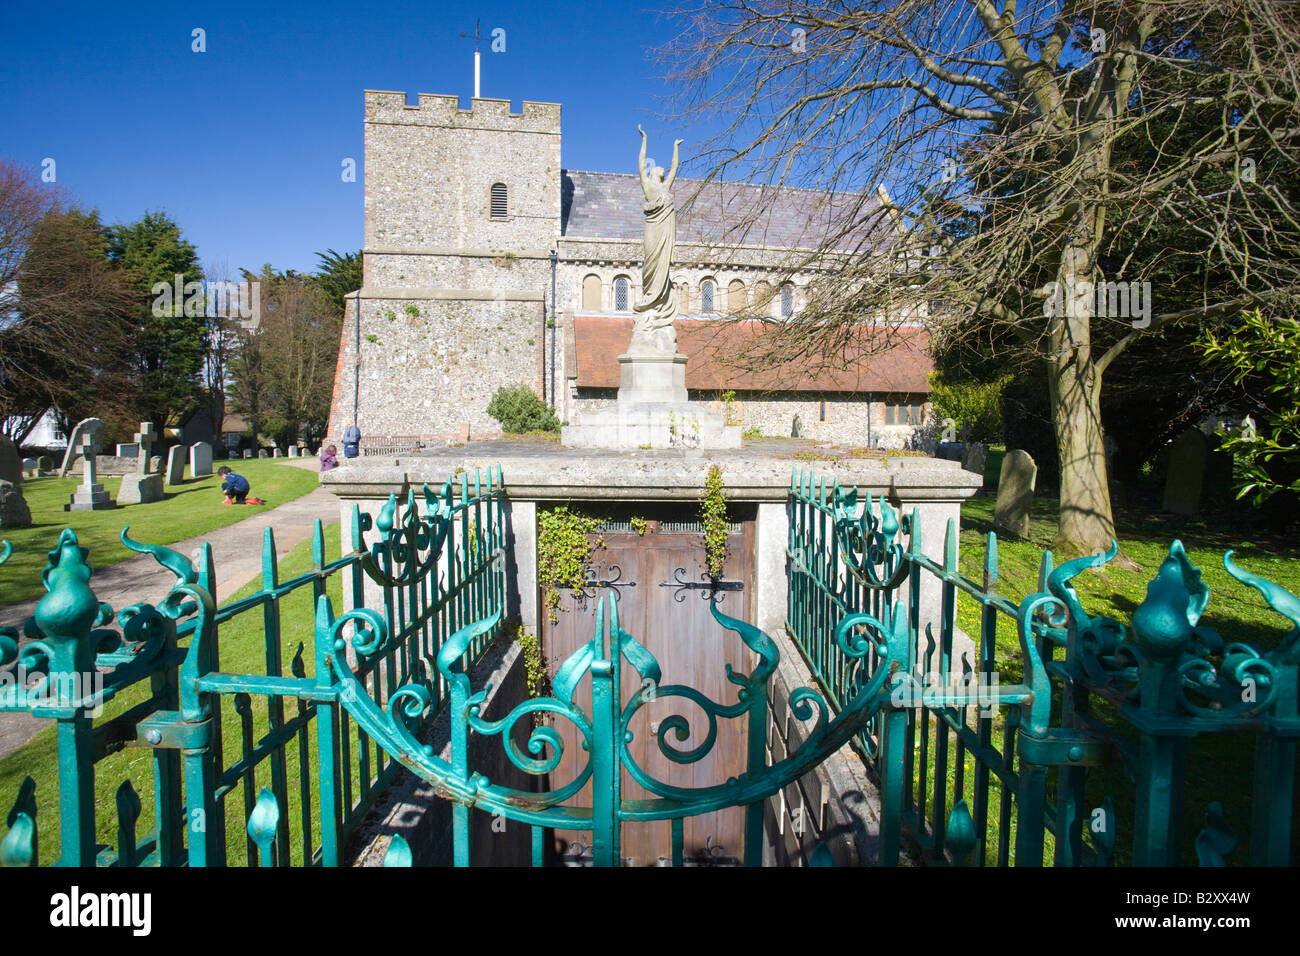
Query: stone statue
x=655 y=312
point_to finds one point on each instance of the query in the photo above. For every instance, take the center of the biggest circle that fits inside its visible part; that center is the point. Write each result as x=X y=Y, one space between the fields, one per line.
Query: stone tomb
x=1015 y=493
x=176 y=465
x=200 y=459
x=30 y=467
x=90 y=495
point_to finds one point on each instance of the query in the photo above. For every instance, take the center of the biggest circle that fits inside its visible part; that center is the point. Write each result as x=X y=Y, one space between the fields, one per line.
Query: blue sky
x=242 y=144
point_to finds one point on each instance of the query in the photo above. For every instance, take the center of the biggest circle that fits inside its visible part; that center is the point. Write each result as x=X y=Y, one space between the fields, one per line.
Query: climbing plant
x=565 y=540
x=713 y=515
x=535 y=675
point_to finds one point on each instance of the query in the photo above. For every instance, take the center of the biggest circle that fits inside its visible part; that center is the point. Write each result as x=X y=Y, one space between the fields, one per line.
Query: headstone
x=14 y=512
x=145 y=438
x=11 y=466
x=293 y=451
x=140 y=489
x=176 y=465
x=974 y=457
x=948 y=450
x=275 y=452
x=128 y=450
x=44 y=465
x=200 y=459
x=30 y=468
x=248 y=453
x=261 y=453
x=1015 y=493
x=155 y=465
x=90 y=495
x=1186 y=473
x=87 y=426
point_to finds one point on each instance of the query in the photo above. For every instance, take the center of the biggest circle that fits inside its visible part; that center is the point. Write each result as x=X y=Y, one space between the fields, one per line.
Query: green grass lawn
x=188 y=509
x=242 y=643
x=1220 y=766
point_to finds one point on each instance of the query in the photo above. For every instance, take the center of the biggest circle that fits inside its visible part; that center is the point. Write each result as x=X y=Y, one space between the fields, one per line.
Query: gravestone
x=275 y=452
x=11 y=466
x=30 y=468
x=248 y=453
x=155 y=465
x=261 y=453
x=1015 y=493
x=87 y=426
x=974 y=457
x=90 y=495
x=14 y=512
x=176 y=464
x=145 y=439
x=128 y=450
x=1186 y=473
x=44 y=465
x=145 y=485
x=293 y=451
x=140 y=489
x=200 y=459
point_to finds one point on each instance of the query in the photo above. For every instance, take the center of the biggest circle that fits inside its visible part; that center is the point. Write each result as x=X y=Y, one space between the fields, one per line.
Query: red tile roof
x=716 y=351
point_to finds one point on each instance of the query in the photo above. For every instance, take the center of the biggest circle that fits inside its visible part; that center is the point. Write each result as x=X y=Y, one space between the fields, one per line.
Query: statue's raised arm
x=644 y=173
x=672 y=170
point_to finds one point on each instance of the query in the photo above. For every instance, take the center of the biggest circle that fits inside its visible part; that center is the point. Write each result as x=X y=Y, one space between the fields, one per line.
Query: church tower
x=462 y=211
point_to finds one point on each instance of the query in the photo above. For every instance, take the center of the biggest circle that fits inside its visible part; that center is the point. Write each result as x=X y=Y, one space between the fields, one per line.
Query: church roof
x=609 y=206
x=711 y=344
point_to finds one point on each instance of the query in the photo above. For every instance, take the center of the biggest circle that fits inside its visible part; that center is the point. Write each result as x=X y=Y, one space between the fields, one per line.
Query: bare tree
x=1025 y=150
x=63 y=308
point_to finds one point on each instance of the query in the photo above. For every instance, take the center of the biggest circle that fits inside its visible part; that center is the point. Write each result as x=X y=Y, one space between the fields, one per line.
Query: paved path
x=236 y=553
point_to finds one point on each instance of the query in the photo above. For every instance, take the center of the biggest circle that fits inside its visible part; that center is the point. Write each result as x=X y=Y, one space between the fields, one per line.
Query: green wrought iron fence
x=283 y=742
x=986 y=765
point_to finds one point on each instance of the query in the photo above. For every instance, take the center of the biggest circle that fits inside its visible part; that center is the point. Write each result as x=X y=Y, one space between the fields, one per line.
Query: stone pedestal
x=140 y=489
x=90 y=498
x=653 y=411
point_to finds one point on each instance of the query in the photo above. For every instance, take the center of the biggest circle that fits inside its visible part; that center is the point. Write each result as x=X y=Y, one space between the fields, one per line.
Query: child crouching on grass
x=235 y=488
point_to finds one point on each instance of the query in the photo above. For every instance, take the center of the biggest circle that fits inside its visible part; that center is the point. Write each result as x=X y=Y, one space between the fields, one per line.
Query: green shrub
x=518 y=409
x=974 y=407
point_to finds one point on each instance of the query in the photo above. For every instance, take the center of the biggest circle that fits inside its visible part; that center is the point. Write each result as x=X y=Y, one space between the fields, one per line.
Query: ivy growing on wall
x=565 y=541
x=713 y=515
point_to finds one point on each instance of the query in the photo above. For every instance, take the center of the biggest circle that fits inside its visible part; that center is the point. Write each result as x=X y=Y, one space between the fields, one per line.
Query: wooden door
x=663 y=602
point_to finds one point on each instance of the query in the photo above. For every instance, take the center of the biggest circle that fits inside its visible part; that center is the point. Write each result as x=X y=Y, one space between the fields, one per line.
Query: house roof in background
x=712 y=344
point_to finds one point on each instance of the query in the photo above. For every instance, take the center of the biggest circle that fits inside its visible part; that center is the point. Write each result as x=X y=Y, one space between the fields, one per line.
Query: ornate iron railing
x=935 y=747
x=215 y=733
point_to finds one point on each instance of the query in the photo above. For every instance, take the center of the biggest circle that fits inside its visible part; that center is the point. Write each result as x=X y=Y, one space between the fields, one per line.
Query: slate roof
x=609 y=206
x=900 y=369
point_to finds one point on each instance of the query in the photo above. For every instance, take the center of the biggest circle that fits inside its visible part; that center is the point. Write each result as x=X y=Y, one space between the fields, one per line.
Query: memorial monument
x=653 y=409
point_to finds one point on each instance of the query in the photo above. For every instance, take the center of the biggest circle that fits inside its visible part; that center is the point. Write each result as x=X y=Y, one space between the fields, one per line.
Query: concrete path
x=236 y=553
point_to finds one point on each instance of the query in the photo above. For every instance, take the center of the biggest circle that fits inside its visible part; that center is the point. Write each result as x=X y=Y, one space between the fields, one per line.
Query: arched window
x=707 y=288
x=763 y=298
x=621 y=294
x=591 y=294
x=736 y=297
x=787 y=301
x=500 y=201
x=683 y=297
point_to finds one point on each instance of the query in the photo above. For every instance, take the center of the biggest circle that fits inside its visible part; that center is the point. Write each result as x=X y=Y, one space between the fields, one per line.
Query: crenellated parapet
x=386 y=106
